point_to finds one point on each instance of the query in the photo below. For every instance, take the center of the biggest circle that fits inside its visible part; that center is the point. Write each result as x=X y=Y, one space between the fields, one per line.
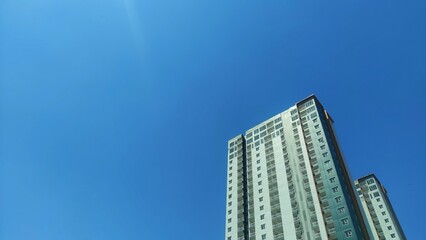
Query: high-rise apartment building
x=377 y=209
x=287 y=180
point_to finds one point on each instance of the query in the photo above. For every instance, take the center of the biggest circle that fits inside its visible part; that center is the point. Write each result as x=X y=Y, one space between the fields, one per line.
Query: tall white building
x=378 y=210
x=287 y=179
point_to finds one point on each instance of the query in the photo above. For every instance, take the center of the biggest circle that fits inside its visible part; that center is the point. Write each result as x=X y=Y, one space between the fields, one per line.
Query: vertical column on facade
x=322 y=181
x=306 y=170
x=359 y=225
x=331 y=176
x=305 y=184
x=236 y=219
x=251 y=230
x=244 y=174
x=274 y=199
x=241 y=189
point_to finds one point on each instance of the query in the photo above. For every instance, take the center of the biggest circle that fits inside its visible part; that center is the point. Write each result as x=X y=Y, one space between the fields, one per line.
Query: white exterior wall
x=288 y=221
x=284 y=193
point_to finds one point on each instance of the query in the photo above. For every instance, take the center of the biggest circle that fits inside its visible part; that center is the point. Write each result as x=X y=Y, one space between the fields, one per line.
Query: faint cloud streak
x=135 y=26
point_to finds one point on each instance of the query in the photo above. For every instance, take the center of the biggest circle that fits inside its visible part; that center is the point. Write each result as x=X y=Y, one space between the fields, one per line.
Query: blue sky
x=115 y=114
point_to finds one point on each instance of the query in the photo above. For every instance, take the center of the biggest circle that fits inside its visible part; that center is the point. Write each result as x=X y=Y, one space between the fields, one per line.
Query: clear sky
x=115 y=114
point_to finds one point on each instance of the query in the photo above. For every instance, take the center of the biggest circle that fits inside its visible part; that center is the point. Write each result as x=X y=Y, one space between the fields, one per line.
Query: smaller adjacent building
x=377 y=209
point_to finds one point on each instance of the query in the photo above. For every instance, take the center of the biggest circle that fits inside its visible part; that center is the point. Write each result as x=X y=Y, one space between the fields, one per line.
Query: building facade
x=287 y=180
x=377 y=209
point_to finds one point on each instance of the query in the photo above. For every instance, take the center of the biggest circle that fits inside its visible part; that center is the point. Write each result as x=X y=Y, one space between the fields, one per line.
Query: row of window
x=269 y=124
x=263 y=237
x=235 y=142
x=263 y=134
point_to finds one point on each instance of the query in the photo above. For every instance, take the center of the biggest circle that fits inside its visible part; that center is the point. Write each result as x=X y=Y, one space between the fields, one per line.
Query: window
x=263 y=236
x=229 y=220
x=338 y=199
x=327 y=162
x=259 y=175
x=229 y=229
x=258 y=161
x=325 y=154
x=389 y=227
x=335 y=189
x=315 y=120
x=261 y=207
x=386 y=220
x=229 y=238
x=378 y=199
x=383 y=213
x=317 y=126
x=260 y=190
x=259 y=183
x=261 y=199
x=372 y=188
x=321 y=140
x=318 y=133
x=309 y=103
x=322 y=147
x=258 y=168
x=370 y=181
x=230 y=204
x=262 y=226
x=341 y=210
x=393 y=235
x=330 y=171
x=381 y=206
x=332 y=180
x=345 y=221
x=229 y=211
x=230 y=188
x=376 y=194
x=230 y=168
x=348 y=233
x=262 y=216
x=230 y=196
x=230 y=181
